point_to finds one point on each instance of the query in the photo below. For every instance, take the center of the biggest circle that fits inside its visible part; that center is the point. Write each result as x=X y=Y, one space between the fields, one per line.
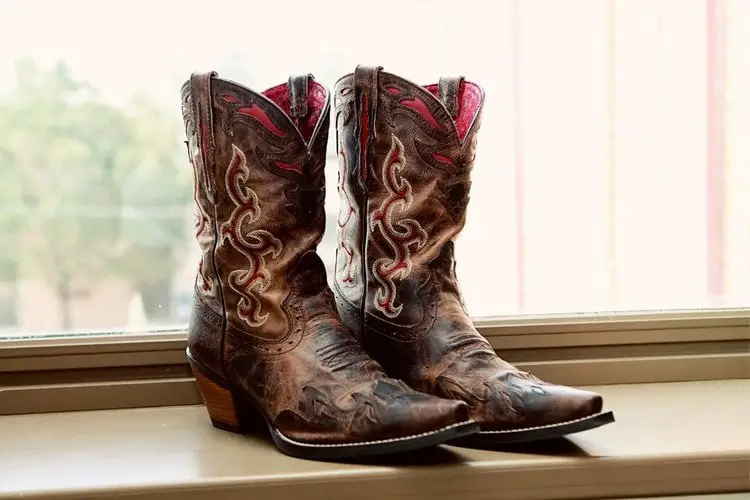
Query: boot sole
x=540 y=433
x=231 y=410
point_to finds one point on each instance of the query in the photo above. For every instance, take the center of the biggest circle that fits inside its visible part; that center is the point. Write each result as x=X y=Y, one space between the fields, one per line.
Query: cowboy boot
x=405 y=154
x=265 y=339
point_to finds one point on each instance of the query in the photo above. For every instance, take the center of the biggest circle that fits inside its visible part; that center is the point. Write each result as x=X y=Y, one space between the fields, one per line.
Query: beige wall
x=737 y=120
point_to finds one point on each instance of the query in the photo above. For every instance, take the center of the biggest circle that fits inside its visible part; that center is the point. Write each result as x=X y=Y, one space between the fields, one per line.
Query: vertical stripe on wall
x=518 y=155
x=715 y=160
x=611 y=69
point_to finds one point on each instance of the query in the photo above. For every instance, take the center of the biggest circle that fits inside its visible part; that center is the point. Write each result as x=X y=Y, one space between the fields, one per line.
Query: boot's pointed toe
x=540 y=411
x=583 y=403
x=423 y=414
x=530 y=403
x=535 y=411
x=380 y=411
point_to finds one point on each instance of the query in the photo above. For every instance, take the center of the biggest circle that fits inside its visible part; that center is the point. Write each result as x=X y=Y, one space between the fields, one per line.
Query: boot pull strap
x=449 y=88
x=366 y=83
x=366 y=88
x=298 y=85
x=200 y=90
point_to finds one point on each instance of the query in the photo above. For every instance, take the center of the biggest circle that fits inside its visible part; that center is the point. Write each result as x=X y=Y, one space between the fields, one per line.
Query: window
x=612 y=171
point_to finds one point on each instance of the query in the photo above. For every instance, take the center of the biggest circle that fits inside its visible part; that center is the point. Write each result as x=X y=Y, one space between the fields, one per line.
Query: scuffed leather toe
x=567 y=403
x=412 y=413
x=522 y=402
x=383 y=409
x=426 y=413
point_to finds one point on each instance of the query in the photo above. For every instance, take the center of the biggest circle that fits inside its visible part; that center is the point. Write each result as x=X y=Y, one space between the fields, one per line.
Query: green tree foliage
x=89 y=190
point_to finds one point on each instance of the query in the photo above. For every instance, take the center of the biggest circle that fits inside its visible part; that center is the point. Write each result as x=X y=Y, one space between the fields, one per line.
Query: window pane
x=612 y=170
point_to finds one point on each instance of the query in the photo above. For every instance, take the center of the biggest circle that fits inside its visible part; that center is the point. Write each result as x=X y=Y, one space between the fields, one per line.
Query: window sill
x=671 y=438
x=136 y=371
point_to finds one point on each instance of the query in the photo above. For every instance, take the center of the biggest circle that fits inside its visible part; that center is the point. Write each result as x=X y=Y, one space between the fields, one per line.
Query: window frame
x=106 y=371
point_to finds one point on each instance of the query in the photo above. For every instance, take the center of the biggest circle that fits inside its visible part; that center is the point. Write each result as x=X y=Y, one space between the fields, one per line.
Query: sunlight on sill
x=664 y=442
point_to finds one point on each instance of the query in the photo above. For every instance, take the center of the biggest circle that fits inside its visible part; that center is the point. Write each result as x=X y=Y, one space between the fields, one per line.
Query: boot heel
x=220 y=404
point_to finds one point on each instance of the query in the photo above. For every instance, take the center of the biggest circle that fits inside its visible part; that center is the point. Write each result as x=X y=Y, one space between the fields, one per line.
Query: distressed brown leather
x=405 y=163
x=264 y=318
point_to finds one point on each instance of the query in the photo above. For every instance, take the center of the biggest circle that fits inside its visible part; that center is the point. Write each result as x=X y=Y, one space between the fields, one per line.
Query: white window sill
x=670 y=438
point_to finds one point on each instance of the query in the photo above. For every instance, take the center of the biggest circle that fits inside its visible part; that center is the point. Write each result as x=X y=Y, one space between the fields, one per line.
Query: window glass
x=612 y=169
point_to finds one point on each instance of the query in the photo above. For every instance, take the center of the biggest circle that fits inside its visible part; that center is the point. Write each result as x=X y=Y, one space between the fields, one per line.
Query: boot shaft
x=258 y=163
x=405 y=154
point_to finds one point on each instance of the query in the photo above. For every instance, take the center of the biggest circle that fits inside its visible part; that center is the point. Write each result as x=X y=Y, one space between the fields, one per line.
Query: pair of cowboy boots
x=389 y=360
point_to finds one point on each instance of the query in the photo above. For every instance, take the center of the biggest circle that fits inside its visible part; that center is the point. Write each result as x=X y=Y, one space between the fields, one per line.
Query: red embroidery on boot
x=420 y=107
x=254 y=244
x=254 y=111
x=289 y=166
x=443 y=159
x=399 y=233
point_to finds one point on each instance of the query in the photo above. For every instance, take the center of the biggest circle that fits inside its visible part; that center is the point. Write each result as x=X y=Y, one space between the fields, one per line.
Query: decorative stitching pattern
x=422 y=109
x=460 y=425
x=346 y=214
x=595 y=416
x=400 y=234
x=254 y=244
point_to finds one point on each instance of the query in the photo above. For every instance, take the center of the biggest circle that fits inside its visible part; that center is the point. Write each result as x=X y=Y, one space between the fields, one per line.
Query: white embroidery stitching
x=399 y=234
x=254 y=244
x=347 y=212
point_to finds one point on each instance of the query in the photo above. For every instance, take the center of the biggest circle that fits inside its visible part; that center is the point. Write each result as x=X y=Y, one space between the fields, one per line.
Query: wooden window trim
x=106 y=371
